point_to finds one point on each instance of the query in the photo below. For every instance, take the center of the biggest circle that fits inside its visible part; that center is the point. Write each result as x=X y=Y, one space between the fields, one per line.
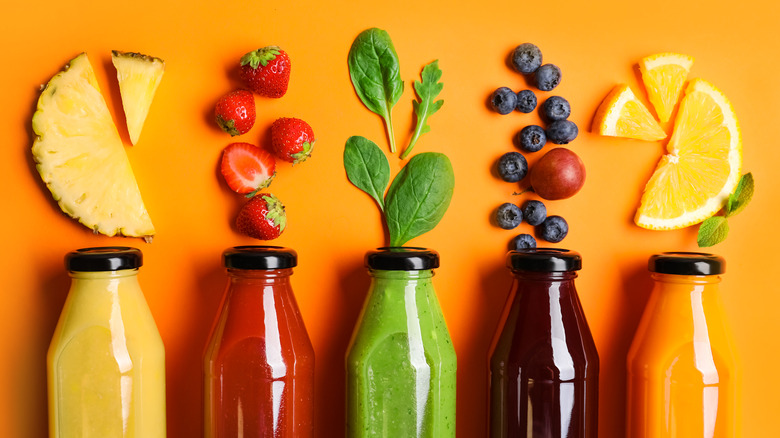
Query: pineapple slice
x=139 y=76
x=81 y=158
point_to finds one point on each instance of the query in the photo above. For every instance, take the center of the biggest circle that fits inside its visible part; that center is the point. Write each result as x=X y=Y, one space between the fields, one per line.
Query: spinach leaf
x=419 y=196
x=375 y=74
x=427 y=90
x=367 y=167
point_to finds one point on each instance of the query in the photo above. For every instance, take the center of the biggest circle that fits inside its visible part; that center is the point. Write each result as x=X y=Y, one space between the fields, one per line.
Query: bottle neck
x=549 y=277
x=260 y=276
x=104 y=275
x=682 y=280
x=400 y=275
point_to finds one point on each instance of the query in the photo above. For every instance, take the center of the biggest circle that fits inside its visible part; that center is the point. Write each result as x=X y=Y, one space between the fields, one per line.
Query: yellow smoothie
x=682 y=370
x=106 y=361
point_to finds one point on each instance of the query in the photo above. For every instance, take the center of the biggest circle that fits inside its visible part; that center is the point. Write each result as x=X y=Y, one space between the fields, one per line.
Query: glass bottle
x=682 y=369
x=106 y=361
x=544 y=367
x=259 y=362
x=401 y=363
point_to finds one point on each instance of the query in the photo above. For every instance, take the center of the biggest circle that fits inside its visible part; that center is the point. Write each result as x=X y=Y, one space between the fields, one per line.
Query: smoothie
x=544 y=367
x=106 y=362
x=401 y=365
x=682 y=370
x=259 y=363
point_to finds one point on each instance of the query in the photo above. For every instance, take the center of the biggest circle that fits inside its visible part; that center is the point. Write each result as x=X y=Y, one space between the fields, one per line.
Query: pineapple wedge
x=81 y=158
x=139 y=76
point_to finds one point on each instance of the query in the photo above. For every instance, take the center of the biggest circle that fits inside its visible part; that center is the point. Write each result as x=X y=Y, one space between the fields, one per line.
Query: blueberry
x=508 y=216
x=503 y=100
x=534 y=212
x=522 y=241
x=512 y=166
x=556 y=108
x=548 y=77
x=531 y=138
x=526 y=58
x=526 y=101
x=562 y=131
x=554 y=229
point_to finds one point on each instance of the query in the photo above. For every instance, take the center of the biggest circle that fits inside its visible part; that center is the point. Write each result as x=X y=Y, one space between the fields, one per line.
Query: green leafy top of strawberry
x=303 y=154
x=228 y=126
x=275 y=212
x=260 y=57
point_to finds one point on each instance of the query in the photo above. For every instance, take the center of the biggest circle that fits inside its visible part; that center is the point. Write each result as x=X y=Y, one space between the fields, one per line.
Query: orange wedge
x=664 y=75
x=621 y=114
x=702 y=167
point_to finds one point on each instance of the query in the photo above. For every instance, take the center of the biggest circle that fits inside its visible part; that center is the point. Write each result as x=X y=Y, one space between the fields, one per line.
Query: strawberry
x=292 y=139
x=262 y=217
x=266 y=71
x=235 y=112
x=247 y=168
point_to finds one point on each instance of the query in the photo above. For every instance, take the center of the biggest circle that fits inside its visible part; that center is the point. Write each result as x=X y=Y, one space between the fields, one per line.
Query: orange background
x=332 y=224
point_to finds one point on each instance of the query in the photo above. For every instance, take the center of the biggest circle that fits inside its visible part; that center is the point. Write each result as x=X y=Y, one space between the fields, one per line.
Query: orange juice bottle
x=682 y=370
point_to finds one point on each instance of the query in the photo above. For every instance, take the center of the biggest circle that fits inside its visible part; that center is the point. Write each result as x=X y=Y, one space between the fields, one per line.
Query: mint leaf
x=375 y=74
x=712 y=231
x=367 y=167
x=741 y=196
x=427 y=90
x=419 y=196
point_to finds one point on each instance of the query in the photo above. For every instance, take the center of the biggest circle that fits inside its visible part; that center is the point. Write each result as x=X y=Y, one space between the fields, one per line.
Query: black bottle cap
x=104 y=258
x=405 y=258
x=687 y=263
x=259 y=257
x=544 y=260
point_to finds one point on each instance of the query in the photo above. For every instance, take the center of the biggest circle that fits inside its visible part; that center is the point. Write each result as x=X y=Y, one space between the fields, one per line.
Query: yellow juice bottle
x=106 y=362
x=682 y=370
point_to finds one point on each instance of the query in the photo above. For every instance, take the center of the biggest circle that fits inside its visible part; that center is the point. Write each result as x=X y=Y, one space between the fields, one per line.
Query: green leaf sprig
x=427 y=90
x=419 y=195
x=375 y=73
x=421 y=192
x=716 y=228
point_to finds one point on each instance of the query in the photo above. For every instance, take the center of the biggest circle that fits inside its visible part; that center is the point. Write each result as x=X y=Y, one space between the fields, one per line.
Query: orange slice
x=693 y=181
x=664 y=75
x=621 y=114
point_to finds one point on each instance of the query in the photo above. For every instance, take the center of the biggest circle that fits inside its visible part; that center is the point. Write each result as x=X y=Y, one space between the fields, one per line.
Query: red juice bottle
x=544 y=366
x=259 y=363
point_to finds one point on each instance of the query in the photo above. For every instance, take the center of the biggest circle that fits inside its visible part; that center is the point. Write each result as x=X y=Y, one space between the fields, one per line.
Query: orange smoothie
x=682 y=370
x=106 y=368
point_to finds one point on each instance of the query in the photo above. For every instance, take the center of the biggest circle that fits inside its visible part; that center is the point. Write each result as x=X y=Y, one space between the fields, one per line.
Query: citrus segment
x=80 y=156
x=621 y=114
x=693 y=181
x=664 y=75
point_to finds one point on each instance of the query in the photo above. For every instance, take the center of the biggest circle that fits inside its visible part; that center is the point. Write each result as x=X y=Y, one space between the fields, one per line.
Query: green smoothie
x=401 y=365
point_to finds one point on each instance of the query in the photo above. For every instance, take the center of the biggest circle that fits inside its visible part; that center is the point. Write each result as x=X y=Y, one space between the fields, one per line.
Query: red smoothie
x=259 y=364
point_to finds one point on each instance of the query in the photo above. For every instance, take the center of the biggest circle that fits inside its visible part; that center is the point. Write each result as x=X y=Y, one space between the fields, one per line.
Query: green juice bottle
x=401 y=364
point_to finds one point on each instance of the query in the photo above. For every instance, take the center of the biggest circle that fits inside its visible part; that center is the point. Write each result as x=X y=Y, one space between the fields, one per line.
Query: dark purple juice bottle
x=544 y=367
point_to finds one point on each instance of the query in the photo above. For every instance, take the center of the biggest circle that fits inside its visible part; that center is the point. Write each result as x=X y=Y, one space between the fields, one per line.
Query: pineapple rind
x=80 y=156
x=139 y=76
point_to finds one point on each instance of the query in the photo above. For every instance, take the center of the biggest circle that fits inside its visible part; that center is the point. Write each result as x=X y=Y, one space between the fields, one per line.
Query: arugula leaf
x=367 y=167
x=418 y=197
x=712 y=231
x=427 y=90
x=375 y=74
x=741 y=196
